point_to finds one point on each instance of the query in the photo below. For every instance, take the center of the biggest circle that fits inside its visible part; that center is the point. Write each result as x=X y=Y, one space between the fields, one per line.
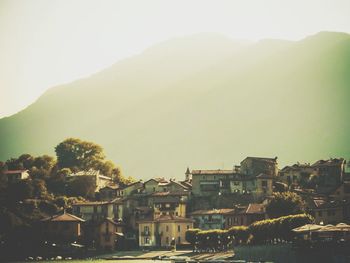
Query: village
x=160 y=212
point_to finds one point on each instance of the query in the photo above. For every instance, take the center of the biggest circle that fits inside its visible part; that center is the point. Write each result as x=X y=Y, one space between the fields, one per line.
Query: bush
x=239 y=234
x=47 y=207
x=279 y=228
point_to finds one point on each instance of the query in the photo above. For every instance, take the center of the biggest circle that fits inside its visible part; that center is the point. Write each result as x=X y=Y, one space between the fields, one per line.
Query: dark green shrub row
x=264 y=231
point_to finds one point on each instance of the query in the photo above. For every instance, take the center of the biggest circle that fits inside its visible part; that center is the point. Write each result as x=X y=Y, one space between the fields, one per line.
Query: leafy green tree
x=39 y=189
x=77 y=154
x=44 y=162
x=26 y=161
x=81 y=186
x=285 y=203
x=14 y=164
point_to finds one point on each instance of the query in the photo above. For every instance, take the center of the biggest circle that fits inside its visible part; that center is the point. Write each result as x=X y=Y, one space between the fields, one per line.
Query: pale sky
x=47 y=43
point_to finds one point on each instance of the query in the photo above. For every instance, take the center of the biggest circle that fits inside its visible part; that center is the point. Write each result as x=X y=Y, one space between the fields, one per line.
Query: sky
x=47 y=43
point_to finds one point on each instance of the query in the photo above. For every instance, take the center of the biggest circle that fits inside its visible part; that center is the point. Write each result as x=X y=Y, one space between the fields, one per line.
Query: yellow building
x=109 y=233
x=160 y=231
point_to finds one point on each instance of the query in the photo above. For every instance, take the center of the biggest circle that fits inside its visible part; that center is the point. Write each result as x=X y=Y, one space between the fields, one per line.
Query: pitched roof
x=213 y=211
x=255 y=209
x=167 y=218
x=329 y=162
x=212 y=172
x=266 y=159
x=15 y=171
x=92 y=203
x=65 y=217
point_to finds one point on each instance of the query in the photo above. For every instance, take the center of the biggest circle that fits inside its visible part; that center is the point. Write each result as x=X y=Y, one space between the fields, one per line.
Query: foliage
x=191 y=234
x=278 y=228
x=81 y=186
x=47 y=207
x=285 y=203
x=20 y=190
x=39 y=189
x=77 y=154
x=239 y=234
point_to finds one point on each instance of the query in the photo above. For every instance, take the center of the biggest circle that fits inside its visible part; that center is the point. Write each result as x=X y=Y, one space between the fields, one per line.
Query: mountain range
x=203 y=101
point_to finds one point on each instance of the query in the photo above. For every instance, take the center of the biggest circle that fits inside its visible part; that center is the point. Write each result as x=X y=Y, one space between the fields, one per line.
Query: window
x=154 y=189
x=147 y=241
x=167 y=240
x=188 y=227
x=264 y=183
x=107 y=238
x=236 y=183
x=176 y=213
x=167 y=229
x=146 y=230
x=178 y=228
x=179 y=240
x=164 y=189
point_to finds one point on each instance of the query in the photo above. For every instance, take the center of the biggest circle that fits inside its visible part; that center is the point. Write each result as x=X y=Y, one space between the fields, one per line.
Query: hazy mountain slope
x=202 y=101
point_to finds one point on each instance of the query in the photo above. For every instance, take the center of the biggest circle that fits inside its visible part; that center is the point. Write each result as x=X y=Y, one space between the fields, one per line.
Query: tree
x=286 y=203
x=39 y=188
x=77 y=154
x=44 y=162
x=20 y=190
x=81 y=186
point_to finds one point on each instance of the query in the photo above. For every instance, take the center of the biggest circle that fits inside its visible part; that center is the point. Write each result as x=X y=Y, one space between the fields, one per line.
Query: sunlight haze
x=47 y=43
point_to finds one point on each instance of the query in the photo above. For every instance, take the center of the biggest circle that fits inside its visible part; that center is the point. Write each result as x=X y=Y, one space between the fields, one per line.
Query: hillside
x=203 y=101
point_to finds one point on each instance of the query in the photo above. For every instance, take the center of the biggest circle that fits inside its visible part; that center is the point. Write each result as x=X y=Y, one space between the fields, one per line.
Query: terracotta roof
x=172 y=193
x=15 y=171
x=168 y=218
x=213 y=211
x=208 y=172
x=91 y=203
x=255 y=209
x=65 y=217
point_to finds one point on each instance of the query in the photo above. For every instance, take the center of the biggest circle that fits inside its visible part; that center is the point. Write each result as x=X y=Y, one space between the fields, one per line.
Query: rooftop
x=65 y=217
x=213 y=211
x=213 y=172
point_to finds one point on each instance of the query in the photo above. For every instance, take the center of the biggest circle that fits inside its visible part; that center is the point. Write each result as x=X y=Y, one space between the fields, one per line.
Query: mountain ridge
x=155 y=122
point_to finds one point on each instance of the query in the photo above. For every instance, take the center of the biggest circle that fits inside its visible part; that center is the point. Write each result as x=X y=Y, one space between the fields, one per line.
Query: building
x=296 y=174
x=62 y=227
x=160 y=231
x=108 y=233
x=98 y=211
x=211 y=219
x=245 y=215
x=254 y=176
x=211 y=182
x=110 y=192
x=16 y=175
x=254 y=166
x=330 y=172
x=133 y=188
x=342 y=192
x=329 y=212
x=99 y=180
